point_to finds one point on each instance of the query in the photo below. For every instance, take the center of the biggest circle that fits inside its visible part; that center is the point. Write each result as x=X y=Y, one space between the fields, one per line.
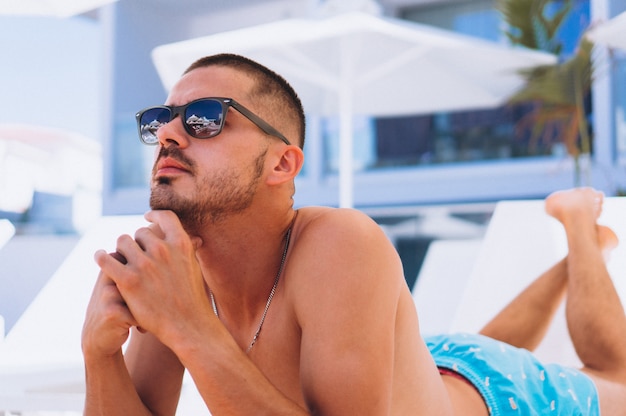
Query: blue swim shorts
x=511 y=380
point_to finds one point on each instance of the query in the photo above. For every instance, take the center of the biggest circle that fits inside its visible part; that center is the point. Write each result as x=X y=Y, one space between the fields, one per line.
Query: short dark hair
x=269 y=85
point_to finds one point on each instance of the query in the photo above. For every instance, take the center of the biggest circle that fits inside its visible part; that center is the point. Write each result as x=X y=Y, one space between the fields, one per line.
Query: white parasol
x=358 y=63
x=56 y=8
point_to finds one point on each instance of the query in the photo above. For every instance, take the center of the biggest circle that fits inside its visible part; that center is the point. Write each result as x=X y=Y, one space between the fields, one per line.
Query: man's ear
x=287 y=166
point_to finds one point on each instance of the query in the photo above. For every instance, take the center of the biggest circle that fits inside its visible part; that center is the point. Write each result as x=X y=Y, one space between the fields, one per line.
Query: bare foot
x=607 y=240
x=575 y=204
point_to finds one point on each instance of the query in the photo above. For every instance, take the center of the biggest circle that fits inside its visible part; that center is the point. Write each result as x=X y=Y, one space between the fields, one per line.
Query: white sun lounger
x=41 y=363
x=442 y=282
x=41 y=366
x=521 y=242
x=7 y=230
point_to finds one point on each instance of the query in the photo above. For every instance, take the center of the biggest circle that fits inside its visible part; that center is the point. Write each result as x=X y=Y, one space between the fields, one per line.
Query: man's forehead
x=212 y=81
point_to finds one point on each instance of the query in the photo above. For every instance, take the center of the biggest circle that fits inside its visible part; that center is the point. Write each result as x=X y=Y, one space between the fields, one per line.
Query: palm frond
x=558 y=90
x=530 y=25
x=558 y=84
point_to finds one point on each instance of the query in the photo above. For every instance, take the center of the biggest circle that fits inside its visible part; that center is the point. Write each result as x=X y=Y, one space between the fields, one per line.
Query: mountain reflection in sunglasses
x=203 y=119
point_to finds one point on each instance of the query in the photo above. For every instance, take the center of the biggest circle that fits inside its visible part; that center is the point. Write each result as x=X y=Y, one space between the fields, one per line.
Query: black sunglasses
x=202 y=118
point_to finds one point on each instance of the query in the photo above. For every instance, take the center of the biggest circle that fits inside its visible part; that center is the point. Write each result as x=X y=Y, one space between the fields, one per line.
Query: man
x=276 y=311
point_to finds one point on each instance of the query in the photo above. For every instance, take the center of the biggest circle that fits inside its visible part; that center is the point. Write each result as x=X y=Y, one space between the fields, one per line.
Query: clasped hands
x=153 y=281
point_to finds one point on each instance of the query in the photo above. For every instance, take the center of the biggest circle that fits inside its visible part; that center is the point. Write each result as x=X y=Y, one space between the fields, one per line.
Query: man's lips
x=168 y=166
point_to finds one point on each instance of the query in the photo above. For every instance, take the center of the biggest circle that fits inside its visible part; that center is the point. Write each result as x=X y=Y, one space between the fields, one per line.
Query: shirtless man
x=277 y=311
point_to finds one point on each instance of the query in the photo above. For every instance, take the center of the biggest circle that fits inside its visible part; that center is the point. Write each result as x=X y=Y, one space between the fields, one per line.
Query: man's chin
x=160 y=199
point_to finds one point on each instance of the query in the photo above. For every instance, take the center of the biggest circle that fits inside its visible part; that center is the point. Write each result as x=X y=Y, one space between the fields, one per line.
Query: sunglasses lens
x=204 y=118
x=150 y=121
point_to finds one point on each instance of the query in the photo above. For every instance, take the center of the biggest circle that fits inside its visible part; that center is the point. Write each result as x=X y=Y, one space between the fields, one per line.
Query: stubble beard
x=215 y=197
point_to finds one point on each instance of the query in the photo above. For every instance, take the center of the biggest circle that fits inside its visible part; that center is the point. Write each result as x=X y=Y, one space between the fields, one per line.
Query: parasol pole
x=346 y=159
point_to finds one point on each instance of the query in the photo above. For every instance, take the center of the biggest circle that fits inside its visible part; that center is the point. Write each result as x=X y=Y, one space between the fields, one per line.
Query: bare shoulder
x=336 y=223
x=342 y=248
x=351 y=307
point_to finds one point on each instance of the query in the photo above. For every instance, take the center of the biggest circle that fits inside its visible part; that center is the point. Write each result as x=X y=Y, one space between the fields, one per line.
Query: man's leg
x=524 y=322
x=595 y=315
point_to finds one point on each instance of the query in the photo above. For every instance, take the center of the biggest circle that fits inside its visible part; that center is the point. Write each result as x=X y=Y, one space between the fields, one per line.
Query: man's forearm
x=110 y=390
x=231 y=384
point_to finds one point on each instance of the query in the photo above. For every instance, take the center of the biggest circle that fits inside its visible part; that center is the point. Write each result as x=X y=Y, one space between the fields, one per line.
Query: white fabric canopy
x=57 y=8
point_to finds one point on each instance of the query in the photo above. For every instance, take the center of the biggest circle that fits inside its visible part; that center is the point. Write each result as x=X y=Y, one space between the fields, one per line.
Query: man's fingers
x=103 y=259
x=166 y=221
x=167 y=224
x=118 y=256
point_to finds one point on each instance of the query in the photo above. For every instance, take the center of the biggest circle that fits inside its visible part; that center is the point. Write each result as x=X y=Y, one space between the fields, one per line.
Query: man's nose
x=173 y=133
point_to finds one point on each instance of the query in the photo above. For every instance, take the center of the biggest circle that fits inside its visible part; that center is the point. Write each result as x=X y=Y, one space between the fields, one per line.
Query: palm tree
x=559 y=90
